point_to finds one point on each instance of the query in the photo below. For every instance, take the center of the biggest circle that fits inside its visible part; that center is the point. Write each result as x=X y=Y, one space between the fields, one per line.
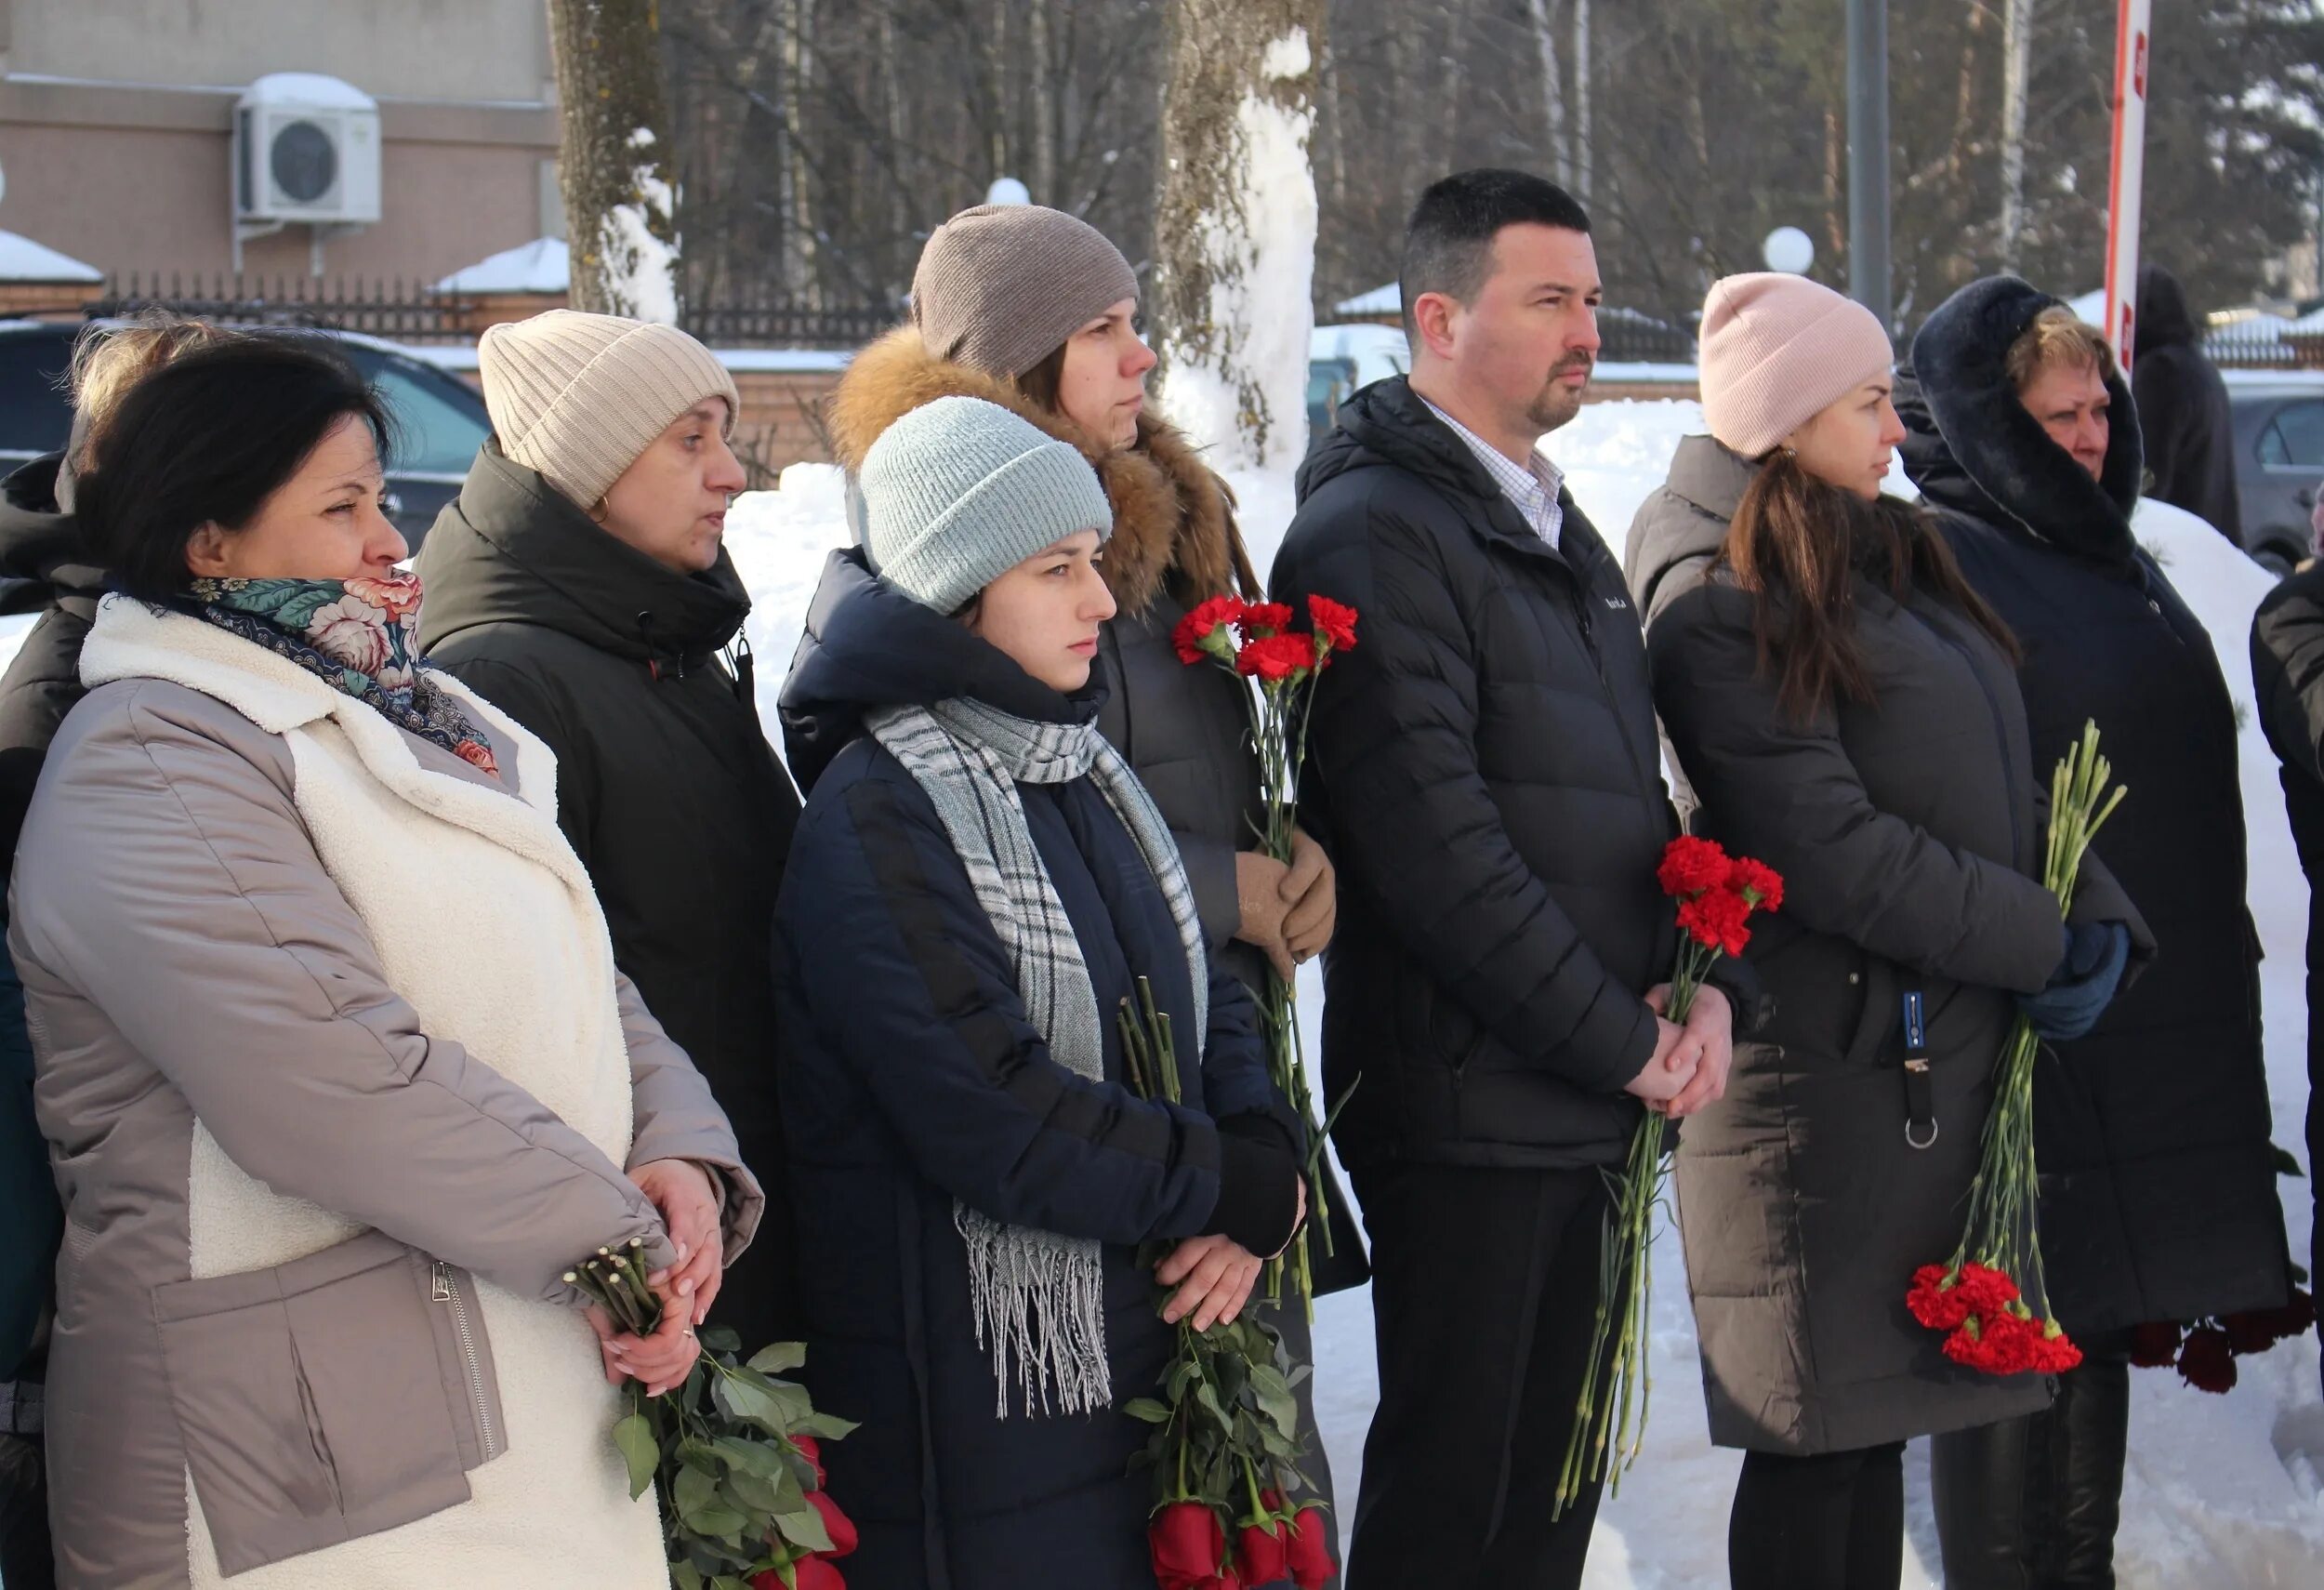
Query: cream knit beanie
x=1778 y=350
x=579 y=396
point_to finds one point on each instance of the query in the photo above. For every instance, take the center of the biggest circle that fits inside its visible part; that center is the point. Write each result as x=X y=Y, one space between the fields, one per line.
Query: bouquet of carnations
x=1717 y=895
x=1226 y=1442
x=1989 y=1298
x=1255 y=641
x=734 y=1451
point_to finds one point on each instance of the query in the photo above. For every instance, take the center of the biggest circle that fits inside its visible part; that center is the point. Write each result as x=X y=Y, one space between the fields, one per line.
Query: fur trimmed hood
x=1173 y=519
x=1971 y=446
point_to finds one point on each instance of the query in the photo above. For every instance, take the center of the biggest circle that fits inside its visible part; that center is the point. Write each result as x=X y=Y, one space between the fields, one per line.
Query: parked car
x=2280 y=459
x=440 y=419
x=1341 y=359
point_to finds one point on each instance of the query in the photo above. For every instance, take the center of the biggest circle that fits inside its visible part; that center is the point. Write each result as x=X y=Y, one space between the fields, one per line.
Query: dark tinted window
x=36 y=414
x=2297 y=437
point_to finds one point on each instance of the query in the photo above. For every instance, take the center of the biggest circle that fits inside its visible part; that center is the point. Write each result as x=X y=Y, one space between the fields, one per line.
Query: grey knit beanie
x=957 y=492
x=579 y=396
x=1000 y=286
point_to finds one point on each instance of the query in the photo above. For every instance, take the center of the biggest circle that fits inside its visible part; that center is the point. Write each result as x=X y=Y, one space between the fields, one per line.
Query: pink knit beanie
x=1778 y=350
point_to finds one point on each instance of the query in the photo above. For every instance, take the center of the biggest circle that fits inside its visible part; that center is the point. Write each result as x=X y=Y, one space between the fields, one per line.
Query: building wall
x=116 y=127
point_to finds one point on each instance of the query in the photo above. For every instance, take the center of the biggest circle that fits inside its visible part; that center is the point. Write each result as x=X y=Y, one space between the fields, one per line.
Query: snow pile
x=2222 y=1492
x=641 y=268
x=310 y=88
x=21 y=260
x=1251 y=377
x=544 y=265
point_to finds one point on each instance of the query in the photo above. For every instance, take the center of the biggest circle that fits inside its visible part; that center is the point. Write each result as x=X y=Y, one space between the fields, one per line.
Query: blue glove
x=2083 y=983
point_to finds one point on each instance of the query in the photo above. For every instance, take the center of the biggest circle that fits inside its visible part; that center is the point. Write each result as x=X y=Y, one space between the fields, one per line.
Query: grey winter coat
x=1908 y=833
x=338 y=1078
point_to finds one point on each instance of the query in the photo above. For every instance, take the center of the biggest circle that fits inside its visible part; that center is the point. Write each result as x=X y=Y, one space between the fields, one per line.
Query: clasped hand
x=687 y=1199
x=1690 y=1063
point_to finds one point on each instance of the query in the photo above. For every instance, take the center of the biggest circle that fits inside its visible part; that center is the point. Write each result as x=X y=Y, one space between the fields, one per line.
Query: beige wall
x=131 y=173
x=427 y=49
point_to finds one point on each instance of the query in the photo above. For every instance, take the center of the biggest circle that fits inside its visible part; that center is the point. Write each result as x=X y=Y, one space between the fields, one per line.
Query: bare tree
x=613 y=154
x=2016 y=58
x=1552 y=88
x=1235 y=230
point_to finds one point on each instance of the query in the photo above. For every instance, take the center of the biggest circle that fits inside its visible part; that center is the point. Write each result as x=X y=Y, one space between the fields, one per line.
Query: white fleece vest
x=484 y=920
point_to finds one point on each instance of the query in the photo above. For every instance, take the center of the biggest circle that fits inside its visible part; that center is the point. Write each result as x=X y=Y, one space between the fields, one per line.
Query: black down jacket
x=1484 y=765
x=2288 y=675
x=665 y=785
x=2158 y=1191
x=1908 y=835
x=2183 y=415
x=913 y=1077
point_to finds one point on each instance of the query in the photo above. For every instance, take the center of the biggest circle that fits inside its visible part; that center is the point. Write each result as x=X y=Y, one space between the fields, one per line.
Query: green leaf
x=684 y=1576
x=829 y=1426
x=753 y=1493
x=747 y=1399
x=692 y=1491
x=1274 y=1398
x=762 y=1458
x=777 y=1356
x=633 y=1437
x=1148 y=1409
x=730 y=1581
x=804 y=1527
x=720 y=1339
x=719 y=1520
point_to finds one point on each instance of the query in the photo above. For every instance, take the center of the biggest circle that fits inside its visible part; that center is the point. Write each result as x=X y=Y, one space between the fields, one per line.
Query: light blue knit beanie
x=961 y=491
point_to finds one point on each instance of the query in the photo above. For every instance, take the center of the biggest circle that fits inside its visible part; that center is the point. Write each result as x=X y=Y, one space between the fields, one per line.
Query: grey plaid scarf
x=1037 y=1297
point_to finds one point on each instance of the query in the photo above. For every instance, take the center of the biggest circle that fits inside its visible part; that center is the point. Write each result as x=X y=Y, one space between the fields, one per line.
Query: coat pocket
x=331 y=1398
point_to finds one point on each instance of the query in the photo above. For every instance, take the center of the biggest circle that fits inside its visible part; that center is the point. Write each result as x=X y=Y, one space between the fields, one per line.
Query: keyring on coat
x=1929 y=1144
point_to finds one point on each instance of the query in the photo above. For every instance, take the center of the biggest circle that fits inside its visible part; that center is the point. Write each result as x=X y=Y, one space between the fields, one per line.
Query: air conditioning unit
x=306 y=151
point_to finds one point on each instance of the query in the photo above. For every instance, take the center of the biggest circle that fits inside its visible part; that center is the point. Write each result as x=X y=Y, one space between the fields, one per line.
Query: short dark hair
x=208 y=439
x=1448 y=242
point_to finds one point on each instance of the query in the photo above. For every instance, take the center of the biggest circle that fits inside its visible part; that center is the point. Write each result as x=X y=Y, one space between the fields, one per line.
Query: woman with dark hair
x=977 y=883
x=1844 y=708
x=336 y=1069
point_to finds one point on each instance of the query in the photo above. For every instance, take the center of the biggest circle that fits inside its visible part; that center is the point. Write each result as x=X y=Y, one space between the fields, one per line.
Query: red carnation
x=2207 y=1361
x=1185 y=1545
x=1935 y=1303
x=1263 y=618
x=1259 y=1554
x=2156 y=1346
x=2053 y=1350
x=1310 y=1550
x=1990 y=1290
x=1334 y=622
x=1759 y=884
x=840 y=1528
x=1690 y=865
x=1271 y=660
x=1209 y=631
x=1715 y=919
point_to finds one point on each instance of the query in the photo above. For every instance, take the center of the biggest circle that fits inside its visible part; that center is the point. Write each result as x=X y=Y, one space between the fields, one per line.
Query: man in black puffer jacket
x=2158 y=1199
x=1484 y=765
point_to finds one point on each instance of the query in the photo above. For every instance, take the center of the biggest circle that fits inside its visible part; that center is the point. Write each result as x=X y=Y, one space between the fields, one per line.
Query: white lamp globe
x=1789 y=249
x=1007 y=191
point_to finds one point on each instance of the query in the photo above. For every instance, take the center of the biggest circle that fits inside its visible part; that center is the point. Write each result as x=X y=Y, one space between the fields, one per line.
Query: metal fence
x=414 y=311
x=402 y=311
x=2260 y=344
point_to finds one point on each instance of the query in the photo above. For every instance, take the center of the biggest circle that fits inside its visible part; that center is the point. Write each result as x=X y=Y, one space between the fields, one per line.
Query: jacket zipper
x=448 y=1294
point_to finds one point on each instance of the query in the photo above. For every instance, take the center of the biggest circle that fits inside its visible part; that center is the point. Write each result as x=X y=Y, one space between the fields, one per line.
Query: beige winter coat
x=338 y=1076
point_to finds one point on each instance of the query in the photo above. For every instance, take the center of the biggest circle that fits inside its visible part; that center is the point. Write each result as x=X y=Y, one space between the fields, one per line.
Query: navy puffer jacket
x=912 y=1076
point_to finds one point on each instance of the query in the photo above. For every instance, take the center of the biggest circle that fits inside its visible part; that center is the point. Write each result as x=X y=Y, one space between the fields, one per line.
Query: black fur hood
x=1971 y=448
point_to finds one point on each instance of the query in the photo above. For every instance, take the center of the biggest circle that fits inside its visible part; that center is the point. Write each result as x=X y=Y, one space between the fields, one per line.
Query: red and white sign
x=2128 y=175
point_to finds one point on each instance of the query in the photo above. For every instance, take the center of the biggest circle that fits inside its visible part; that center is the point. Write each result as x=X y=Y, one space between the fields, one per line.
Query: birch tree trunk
x=614 y=160
x=2017 y=61
x=1580 y=142
x=1235 y=230
x=1559 y=158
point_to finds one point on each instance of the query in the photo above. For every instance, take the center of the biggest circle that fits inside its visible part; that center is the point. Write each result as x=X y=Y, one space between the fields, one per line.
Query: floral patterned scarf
x=355 y=635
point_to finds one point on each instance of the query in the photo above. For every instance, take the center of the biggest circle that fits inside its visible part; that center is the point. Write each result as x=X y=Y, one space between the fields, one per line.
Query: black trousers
x=1484 y=1287
x=2033 y=1503
x=1832 y=1521
x=25 y=1563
